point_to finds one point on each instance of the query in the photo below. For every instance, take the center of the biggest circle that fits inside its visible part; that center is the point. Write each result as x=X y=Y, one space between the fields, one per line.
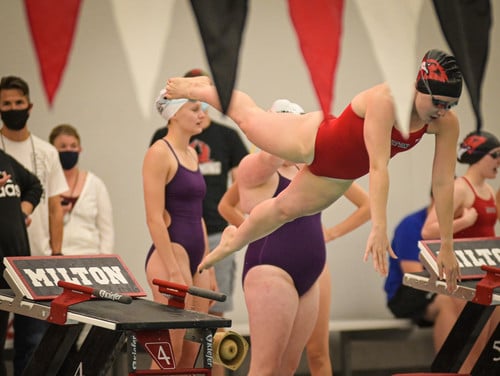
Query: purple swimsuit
x=298 y=247
x=184 y=202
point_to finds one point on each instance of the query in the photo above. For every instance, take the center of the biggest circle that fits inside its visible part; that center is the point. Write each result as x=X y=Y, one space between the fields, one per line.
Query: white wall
x=96 y=96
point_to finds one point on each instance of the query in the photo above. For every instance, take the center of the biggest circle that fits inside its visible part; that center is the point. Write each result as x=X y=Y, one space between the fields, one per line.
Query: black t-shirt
x=22 y=186
x=220 y=149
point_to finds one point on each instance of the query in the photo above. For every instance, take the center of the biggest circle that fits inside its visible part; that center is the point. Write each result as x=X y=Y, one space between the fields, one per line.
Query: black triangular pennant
x=466 y=26
x=221 y=24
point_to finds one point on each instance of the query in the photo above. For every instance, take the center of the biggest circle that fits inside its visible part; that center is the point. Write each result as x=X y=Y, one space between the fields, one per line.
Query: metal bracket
x=21 y=306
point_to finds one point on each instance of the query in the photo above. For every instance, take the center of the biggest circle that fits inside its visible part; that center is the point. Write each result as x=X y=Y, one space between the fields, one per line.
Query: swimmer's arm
x=212 y=279
x=358 y=197
x=463 y=217
x=379 y=120
x=442 y=188
x=443 y=171
x=228 y=206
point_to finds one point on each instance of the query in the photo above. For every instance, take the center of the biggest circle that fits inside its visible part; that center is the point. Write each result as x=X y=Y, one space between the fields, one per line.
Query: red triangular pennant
x=52 y=24
x=318 y=24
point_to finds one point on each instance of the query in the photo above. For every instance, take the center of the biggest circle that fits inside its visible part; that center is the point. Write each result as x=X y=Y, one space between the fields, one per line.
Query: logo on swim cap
x=439 y=73
x=475 y=146
x=432 y=70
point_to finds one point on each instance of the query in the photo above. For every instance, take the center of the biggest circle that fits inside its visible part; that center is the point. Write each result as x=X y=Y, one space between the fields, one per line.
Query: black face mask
x=15 y=119
x=68 y=159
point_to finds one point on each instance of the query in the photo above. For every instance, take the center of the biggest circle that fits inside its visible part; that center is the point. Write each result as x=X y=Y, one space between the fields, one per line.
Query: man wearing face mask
x=45 y=231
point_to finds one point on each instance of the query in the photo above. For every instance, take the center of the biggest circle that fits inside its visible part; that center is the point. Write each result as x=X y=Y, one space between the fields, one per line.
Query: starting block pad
x=91 y=291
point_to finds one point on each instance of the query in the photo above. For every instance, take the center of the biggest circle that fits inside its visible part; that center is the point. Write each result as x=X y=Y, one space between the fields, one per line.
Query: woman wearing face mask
x=88 y=217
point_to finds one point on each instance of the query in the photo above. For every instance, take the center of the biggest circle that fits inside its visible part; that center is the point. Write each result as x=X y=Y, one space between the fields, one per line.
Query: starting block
x=479 y=261
x=100 y=290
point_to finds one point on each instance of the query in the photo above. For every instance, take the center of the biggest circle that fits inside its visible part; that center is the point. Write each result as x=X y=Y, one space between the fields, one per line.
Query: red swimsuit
x=340 y=150
x=486 y=217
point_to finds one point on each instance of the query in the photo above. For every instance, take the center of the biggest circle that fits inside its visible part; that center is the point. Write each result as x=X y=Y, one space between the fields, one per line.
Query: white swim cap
x=284 y=105
x=168 y=107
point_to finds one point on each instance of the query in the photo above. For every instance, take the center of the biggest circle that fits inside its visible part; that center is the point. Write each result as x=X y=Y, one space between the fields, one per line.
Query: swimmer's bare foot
x=219 y=252
x=185 y=87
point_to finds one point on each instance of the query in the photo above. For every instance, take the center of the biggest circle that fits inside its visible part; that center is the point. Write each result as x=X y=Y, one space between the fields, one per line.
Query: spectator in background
x=425 y=309
x=20 y=193
x=406 y=302
x=46 y=230
x=88 y=216
x=220 y=150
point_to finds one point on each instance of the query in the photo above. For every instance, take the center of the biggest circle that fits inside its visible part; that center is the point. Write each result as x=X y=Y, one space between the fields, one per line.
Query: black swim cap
x=475 y=146
x=442 y=74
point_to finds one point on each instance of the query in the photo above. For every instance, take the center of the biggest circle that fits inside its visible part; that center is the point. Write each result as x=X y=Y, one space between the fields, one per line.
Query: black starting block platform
x=116 y=317
x=479 y=261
